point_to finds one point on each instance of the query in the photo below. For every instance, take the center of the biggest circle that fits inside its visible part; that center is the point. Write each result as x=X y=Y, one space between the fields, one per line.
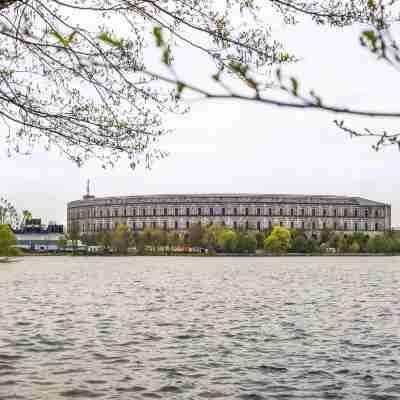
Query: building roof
x=229 y=197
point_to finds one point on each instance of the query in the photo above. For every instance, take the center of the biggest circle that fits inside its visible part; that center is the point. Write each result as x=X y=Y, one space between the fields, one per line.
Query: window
x=108 y=212
x=366 y=213
x=211 y=211
x=258 y=211
x=291 y=224
x=235 y=211
x=335 y=212
x=258 y=225
x=144 y=225
x=302 y=224
x=247 y=225
x=199 y=211
x=153 y=224
x=176 y=224
x=223 y=211
x=269 y=224
x=324 y=225
x=176 y=212
x=345 y=226
x=356 y=212
x=280 y=223
x=246 y=211
x=324 y=212
x=356 y=227
x=165 y=225
x=376 y=213
x=154 y=212
x=291 y=212
x=124 y=212
x=302 y=212
x=187 y=224
x=270 y=211
x=345 y=212
x=313 y=212
x=187 y=211
x=101 y=213
x=234 y=225
x=376 y=227
x=144 y=212
x=366 y=226
x=280 y=212
x=134 y=212
x=134 y=226
x=335 y=225
x=313 y=226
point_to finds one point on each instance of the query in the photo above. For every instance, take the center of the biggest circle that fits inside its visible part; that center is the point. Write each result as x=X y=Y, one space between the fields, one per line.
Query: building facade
x=311 y=214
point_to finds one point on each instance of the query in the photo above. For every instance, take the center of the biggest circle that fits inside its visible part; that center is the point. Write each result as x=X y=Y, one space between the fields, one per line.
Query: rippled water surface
x=189 y=328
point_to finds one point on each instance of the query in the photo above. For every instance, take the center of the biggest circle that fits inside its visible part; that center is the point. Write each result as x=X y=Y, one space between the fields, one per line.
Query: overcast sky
x=238 y=147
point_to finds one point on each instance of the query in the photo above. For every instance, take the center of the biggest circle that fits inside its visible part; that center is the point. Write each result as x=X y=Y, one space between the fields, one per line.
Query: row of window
x=247 y=225
x=211 y=211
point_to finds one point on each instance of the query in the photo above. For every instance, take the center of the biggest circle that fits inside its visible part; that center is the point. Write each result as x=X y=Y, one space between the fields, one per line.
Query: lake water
x=192 y=328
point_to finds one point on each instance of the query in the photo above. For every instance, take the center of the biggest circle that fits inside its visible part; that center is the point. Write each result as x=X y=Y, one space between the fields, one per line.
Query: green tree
x=228 y=241
x=62 y=243
x=246 y=242
x=278 y=242
x=260 y=237
x=7 y=241
x=196 y=235
x=121 y=238
x=298 y=244
x=354 y=247
x=104 y=240
x=8 y=213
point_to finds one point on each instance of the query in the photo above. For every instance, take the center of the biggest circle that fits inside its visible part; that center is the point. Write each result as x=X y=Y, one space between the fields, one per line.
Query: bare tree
x=74 y=75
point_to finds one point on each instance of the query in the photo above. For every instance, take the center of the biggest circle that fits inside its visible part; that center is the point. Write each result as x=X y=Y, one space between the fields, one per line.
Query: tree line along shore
x=213 y=240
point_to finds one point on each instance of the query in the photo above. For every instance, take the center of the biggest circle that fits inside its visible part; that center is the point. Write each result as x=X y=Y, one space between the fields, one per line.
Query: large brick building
x=311 y=214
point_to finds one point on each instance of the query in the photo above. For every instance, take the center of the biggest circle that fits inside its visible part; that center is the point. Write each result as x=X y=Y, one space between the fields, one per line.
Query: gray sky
x=238 y=147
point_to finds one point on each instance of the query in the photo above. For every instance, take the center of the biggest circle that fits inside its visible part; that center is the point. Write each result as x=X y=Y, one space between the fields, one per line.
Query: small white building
x=38 y=241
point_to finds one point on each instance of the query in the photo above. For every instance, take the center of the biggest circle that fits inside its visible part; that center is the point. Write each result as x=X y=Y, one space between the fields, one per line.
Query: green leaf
x=239 y=68
x=106 y=38
x=370 y=37
x=166 y=57
x=179 y=88
x=284 y=57
x=59 y=37
x=71 y=37
x=157 y=32
x=371 y=4
x=295 y=85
